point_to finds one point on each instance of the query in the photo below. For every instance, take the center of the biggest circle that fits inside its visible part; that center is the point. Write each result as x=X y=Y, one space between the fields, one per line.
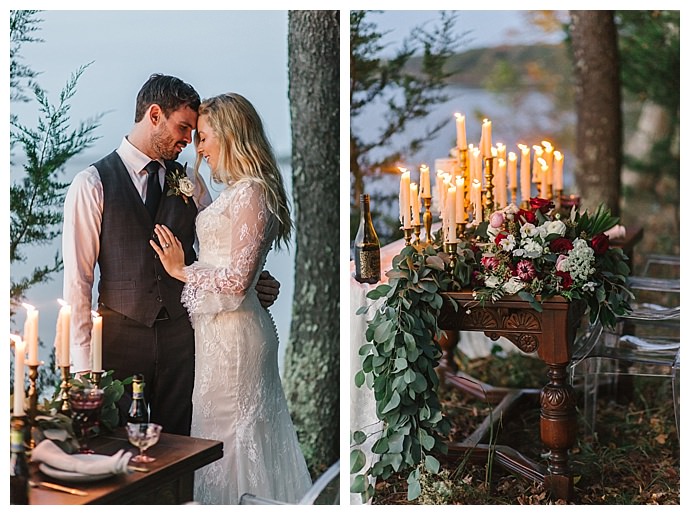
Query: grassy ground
x=633 y=457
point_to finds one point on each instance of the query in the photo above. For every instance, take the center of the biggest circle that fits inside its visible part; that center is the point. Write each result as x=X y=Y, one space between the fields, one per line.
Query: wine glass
x=85 y=405
x=143 y=436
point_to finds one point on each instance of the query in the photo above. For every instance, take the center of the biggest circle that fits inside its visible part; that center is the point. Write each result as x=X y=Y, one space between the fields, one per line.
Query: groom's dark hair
x=170 y=93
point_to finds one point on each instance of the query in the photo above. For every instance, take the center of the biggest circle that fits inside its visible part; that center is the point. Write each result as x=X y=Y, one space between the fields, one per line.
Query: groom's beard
x=165 y=146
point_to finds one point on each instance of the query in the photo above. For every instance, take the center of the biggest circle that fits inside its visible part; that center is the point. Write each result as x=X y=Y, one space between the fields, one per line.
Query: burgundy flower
x=600 y=244
x=541 y=204
x=527 y=216
x=566 y=280
x=490 y=263
x=500 y=237
x=561 y=245
x=525 y=270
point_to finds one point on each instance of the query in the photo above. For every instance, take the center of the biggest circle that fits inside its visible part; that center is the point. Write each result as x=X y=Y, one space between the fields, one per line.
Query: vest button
x=159 y=299
x=159 y=277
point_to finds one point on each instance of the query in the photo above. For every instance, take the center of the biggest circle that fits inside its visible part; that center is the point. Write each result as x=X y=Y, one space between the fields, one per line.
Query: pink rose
x=496 y=220
x=559 y=262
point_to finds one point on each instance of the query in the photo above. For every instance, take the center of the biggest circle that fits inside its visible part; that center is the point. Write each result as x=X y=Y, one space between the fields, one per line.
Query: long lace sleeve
x=241 y=234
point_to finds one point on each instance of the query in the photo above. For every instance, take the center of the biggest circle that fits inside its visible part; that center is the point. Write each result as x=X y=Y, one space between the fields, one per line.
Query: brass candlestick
x=559 y=193
x=64 y=390
x=513 y=195
x=96 y=376
x=489 y=178
x=408 y=235
x=33 y=401
x=417 y=229
x=452 y=250
x=465 y=171
x=427 y=218
x=461 y=229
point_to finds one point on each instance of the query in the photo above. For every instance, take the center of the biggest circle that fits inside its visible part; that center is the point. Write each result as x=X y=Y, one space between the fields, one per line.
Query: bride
x=238 y=397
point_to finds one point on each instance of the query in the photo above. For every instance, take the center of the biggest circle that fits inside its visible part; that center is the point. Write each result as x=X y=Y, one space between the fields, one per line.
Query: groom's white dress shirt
x=83 y=214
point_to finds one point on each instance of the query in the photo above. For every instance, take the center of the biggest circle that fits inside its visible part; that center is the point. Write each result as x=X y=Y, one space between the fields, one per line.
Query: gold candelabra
x=559 y=194
x=96 y=376
x=452 y=250
x=33 y=401
x=427 y=218
x=407 y=231
x=513 y=195
x=64 y=390
x=489 y=178
x=417 y=229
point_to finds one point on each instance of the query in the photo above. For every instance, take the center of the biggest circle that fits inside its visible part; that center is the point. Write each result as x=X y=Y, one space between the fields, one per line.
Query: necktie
x=153 y=189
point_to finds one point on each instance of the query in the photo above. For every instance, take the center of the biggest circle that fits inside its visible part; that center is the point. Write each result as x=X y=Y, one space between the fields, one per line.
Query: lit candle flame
x=15 y=338
x=28 y=307
x=62 y=302
x=95 y=313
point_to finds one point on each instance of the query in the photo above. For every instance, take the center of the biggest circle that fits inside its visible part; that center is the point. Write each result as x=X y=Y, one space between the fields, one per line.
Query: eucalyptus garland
x=399 y=364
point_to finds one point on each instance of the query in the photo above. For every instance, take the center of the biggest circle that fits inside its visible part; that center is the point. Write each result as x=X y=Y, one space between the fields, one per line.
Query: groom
x=109 y=214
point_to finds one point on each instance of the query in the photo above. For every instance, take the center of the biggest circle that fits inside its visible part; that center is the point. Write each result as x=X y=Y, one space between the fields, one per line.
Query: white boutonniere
x=179 y=183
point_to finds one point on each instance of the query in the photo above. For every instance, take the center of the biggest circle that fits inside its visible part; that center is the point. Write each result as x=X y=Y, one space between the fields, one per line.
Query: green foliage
x=399 y=365
x=649 y=47
x=22 y=25
x=37 y=194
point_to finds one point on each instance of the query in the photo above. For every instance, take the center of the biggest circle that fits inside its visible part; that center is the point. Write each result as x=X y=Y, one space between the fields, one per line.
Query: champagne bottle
x=19 y=468
x=138 y=413
x=367 y=247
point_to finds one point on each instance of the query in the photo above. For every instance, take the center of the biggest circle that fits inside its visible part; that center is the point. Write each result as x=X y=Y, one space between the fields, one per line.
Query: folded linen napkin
x=50 y=454
x=617 y=232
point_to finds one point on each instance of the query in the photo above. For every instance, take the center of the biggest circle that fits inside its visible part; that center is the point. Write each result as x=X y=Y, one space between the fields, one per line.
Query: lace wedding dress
x=238 y=397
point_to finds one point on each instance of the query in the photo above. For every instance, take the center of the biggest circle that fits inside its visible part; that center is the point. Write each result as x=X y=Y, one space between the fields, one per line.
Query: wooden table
x=170 y=480
x=549 y=333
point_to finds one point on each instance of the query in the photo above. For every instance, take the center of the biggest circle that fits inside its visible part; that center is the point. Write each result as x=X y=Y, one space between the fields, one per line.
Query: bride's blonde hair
x=245 y=153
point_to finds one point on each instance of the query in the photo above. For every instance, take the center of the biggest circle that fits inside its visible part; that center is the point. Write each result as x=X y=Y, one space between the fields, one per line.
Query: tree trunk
x=598 y=105
x=312 y=364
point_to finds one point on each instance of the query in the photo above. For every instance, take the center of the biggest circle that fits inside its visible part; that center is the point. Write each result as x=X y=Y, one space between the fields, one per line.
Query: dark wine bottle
x=367 y=247
x=138 y=413
x=19 y=468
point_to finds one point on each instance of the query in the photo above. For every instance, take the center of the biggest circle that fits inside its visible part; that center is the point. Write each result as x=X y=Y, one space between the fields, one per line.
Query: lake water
x=45 y=296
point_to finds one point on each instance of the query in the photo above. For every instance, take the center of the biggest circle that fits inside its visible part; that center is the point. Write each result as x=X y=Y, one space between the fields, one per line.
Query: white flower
x=555 y=227
x=492 y=232
x=528 y=230
x=589 y=286
x=511 y=209
x=532 y=248
x=508 y=243
x=492 y=281
x=513 y=286
x=186 y=186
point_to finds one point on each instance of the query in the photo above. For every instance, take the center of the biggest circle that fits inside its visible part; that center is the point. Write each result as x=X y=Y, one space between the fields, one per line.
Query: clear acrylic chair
x=644 y=343
x=325 y=490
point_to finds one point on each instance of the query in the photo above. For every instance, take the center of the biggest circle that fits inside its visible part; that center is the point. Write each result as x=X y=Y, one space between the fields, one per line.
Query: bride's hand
x=170 y=252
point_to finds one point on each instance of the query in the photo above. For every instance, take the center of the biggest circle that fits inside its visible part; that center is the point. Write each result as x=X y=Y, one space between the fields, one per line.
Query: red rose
x=499 y=237
x=566 y=280
x=542 y=204
x=600 y=244
x=527 y=216
x=561 y=245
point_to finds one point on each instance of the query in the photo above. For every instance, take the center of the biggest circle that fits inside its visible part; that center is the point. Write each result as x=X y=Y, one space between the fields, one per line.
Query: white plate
x=75 y=477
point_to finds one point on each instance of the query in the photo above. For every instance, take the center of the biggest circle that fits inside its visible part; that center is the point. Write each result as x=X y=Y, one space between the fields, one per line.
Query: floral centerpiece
x=533 y=253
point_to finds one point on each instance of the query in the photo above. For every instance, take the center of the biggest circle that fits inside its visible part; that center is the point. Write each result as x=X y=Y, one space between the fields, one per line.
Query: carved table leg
x=558 y=426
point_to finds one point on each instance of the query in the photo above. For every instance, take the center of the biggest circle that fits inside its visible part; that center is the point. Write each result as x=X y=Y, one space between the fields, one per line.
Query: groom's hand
x=267 y=289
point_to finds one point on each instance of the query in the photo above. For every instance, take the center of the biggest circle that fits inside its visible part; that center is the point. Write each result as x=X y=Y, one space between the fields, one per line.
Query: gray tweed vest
x=133 y=282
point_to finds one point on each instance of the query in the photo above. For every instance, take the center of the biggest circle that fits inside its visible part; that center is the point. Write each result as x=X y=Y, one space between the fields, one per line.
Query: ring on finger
x=166 y=245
